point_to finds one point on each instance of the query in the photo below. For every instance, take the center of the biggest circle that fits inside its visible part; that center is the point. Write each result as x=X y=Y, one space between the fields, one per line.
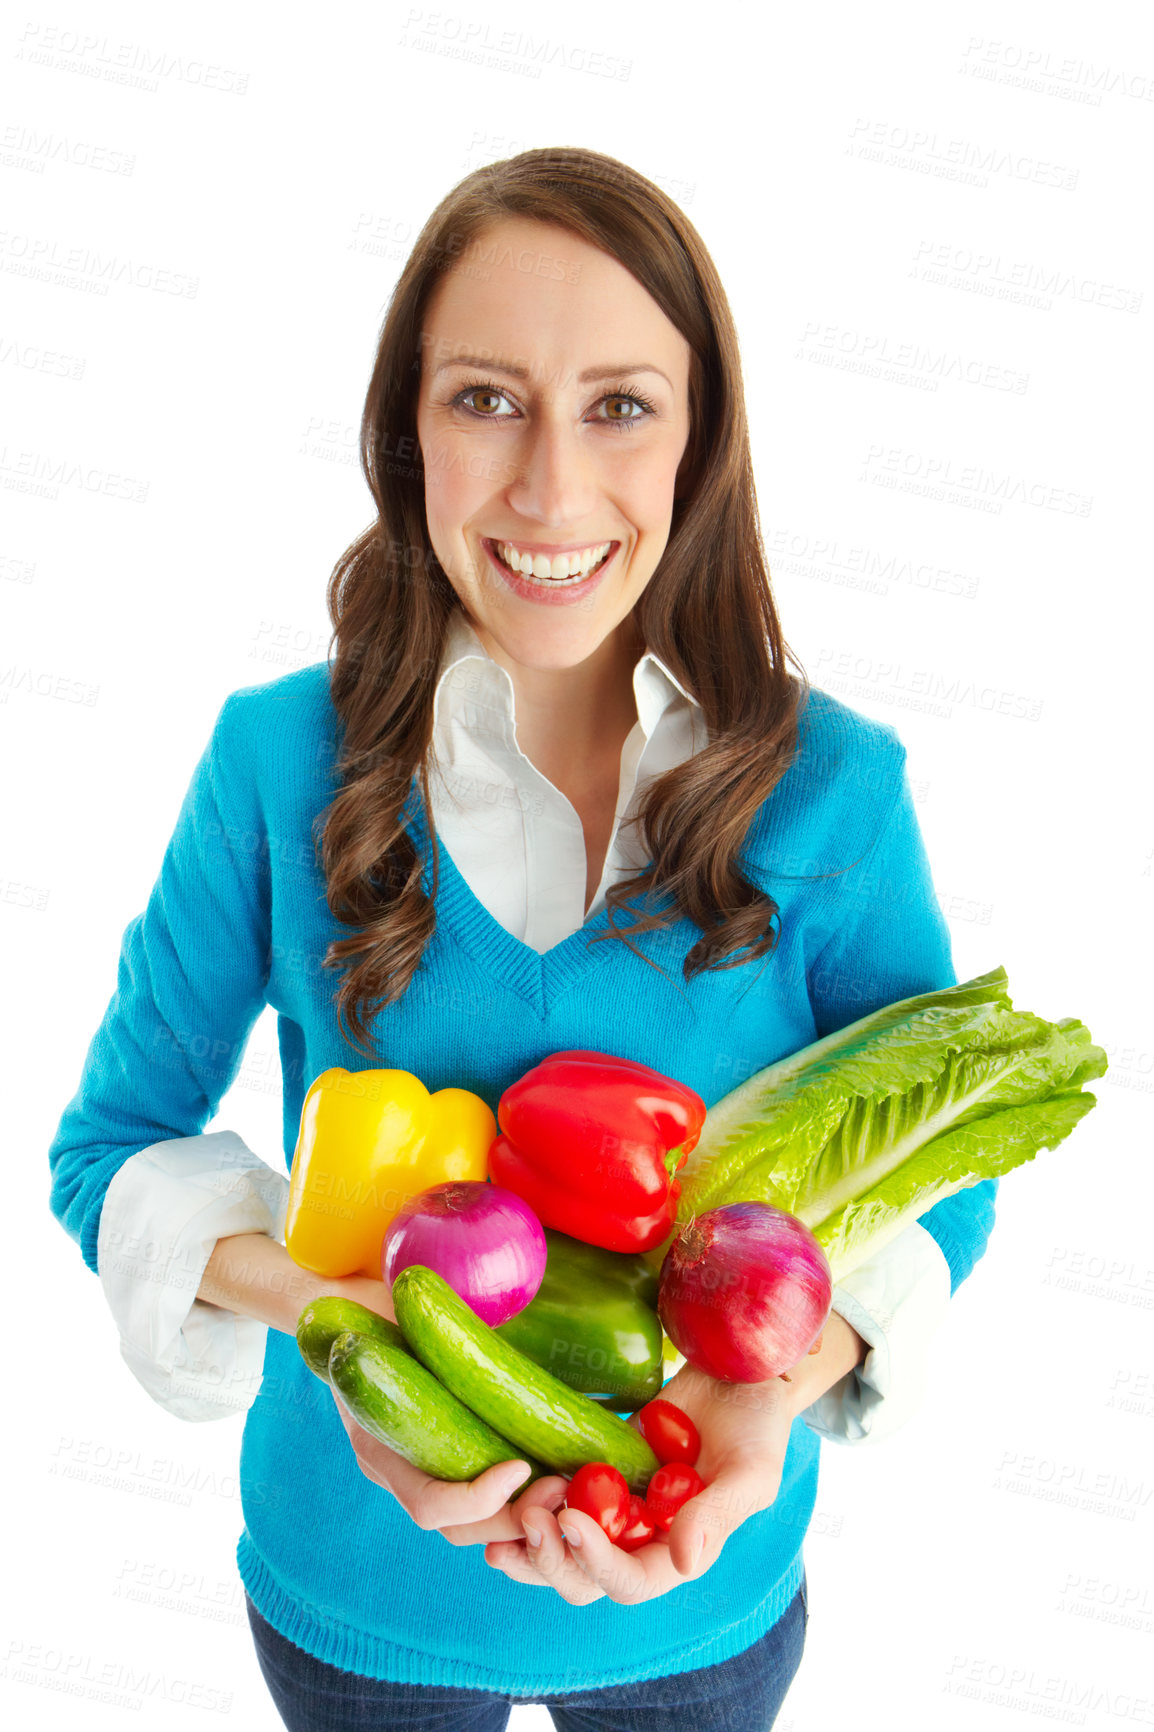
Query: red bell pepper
x=591 y=1143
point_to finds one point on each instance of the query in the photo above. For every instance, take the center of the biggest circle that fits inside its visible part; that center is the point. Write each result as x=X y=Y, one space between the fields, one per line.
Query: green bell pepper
x=593 y=1323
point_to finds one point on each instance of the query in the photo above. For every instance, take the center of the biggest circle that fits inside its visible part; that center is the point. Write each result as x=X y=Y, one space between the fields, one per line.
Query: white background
x=912 y=210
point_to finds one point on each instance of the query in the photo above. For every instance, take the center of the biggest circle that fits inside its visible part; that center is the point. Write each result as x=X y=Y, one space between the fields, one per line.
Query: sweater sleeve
x=190 y=986
x=890 y=942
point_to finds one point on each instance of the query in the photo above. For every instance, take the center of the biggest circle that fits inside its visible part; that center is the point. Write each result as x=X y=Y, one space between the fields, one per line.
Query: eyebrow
x=588 y=377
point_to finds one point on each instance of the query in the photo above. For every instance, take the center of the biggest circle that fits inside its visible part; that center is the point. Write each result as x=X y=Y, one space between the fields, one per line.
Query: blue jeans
x=742 y=1694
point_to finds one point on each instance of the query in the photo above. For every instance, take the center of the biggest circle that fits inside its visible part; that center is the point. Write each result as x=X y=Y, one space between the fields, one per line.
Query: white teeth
x=561 y=568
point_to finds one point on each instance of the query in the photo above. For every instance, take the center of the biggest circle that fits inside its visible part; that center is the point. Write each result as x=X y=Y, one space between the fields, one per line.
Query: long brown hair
x=707 y=611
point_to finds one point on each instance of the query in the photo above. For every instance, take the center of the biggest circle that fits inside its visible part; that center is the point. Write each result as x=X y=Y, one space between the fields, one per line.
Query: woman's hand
x=467 y=1513
x=744 y=1431
x=253 y=1275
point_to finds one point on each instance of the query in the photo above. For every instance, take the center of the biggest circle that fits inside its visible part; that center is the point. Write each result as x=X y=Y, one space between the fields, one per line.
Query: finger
x=515 y=1561
x=470 y=1504
x=699 y=1525
x=547 y=1552
x=687 y=1546
x=511 y=1558
x=439 y=1503
x=622 y=1576
x=442 y=1503
x=704 y=1523
x=547 y=1492
x=548 y=1560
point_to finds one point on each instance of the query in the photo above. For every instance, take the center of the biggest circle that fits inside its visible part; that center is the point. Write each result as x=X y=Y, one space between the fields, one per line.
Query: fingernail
x=571 y=1534
x=531 y=1534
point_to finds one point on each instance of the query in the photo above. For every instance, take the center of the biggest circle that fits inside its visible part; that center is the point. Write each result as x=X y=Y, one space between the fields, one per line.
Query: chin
x=565 y=645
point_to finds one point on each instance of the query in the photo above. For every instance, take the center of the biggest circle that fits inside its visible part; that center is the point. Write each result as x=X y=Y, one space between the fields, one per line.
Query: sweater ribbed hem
x=371 y=1657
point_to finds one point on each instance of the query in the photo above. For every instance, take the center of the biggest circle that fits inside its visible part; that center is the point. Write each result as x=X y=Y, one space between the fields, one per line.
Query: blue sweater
x=238 y=919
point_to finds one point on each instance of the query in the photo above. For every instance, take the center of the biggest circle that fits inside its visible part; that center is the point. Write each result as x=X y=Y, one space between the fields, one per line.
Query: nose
x=554 y=480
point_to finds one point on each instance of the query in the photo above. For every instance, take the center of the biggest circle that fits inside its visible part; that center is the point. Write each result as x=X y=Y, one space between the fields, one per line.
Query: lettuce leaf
x=862 y=1132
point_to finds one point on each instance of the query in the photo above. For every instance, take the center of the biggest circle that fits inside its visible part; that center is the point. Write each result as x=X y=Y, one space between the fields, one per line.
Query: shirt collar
x=655 y=686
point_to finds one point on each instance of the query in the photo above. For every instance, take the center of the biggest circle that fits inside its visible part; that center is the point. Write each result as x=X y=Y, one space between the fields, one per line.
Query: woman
x=557 y=641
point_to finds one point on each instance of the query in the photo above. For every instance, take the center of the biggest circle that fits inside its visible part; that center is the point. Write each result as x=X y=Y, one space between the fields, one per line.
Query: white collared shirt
x=515 y=839
x=519 y=845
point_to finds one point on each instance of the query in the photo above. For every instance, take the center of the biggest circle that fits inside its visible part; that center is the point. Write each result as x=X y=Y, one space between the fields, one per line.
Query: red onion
x=482 y=1239
x=744 y=1292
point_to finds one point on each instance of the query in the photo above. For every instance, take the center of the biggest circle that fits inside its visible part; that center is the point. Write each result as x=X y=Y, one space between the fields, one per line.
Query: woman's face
x=561 y=432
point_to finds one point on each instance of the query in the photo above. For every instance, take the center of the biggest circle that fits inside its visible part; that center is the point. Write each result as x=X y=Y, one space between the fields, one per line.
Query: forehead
x=540 y=296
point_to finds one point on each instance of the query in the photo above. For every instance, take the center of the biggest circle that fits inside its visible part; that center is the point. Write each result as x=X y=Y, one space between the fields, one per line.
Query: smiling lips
x=551 y=568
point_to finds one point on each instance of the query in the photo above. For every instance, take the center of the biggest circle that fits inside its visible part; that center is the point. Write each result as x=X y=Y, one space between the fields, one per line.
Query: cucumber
x=402 y=1405
x=322 y=1320
x=508 y=1390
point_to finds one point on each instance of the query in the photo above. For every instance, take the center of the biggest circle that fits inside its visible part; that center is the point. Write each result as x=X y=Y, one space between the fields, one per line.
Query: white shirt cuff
x=897 y=1302
x=163 y=1213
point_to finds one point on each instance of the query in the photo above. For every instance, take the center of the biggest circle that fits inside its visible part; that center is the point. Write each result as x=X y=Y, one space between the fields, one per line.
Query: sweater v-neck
x=540 y=977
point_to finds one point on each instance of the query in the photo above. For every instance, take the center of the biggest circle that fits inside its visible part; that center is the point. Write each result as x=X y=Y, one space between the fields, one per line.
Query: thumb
x=704 y=1523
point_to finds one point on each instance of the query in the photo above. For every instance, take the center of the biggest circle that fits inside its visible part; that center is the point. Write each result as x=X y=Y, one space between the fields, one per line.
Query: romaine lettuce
x=862 y=1132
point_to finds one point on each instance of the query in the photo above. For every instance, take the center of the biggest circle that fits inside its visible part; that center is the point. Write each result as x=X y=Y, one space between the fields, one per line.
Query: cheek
x=460 y=477
x=643 y=489
x=448 y=487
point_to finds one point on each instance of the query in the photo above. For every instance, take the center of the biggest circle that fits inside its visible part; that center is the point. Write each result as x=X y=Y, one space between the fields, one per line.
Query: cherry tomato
x=670 y=1487
x=638 y=1529
x=670 y=1433
x=601 y=1491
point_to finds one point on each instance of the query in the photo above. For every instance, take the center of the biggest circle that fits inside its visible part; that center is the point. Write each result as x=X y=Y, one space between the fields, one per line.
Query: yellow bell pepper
x=370 y=1141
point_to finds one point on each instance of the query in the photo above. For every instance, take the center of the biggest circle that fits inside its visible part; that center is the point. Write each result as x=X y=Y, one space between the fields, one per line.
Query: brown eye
x=492 y=396
x=627 y=422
